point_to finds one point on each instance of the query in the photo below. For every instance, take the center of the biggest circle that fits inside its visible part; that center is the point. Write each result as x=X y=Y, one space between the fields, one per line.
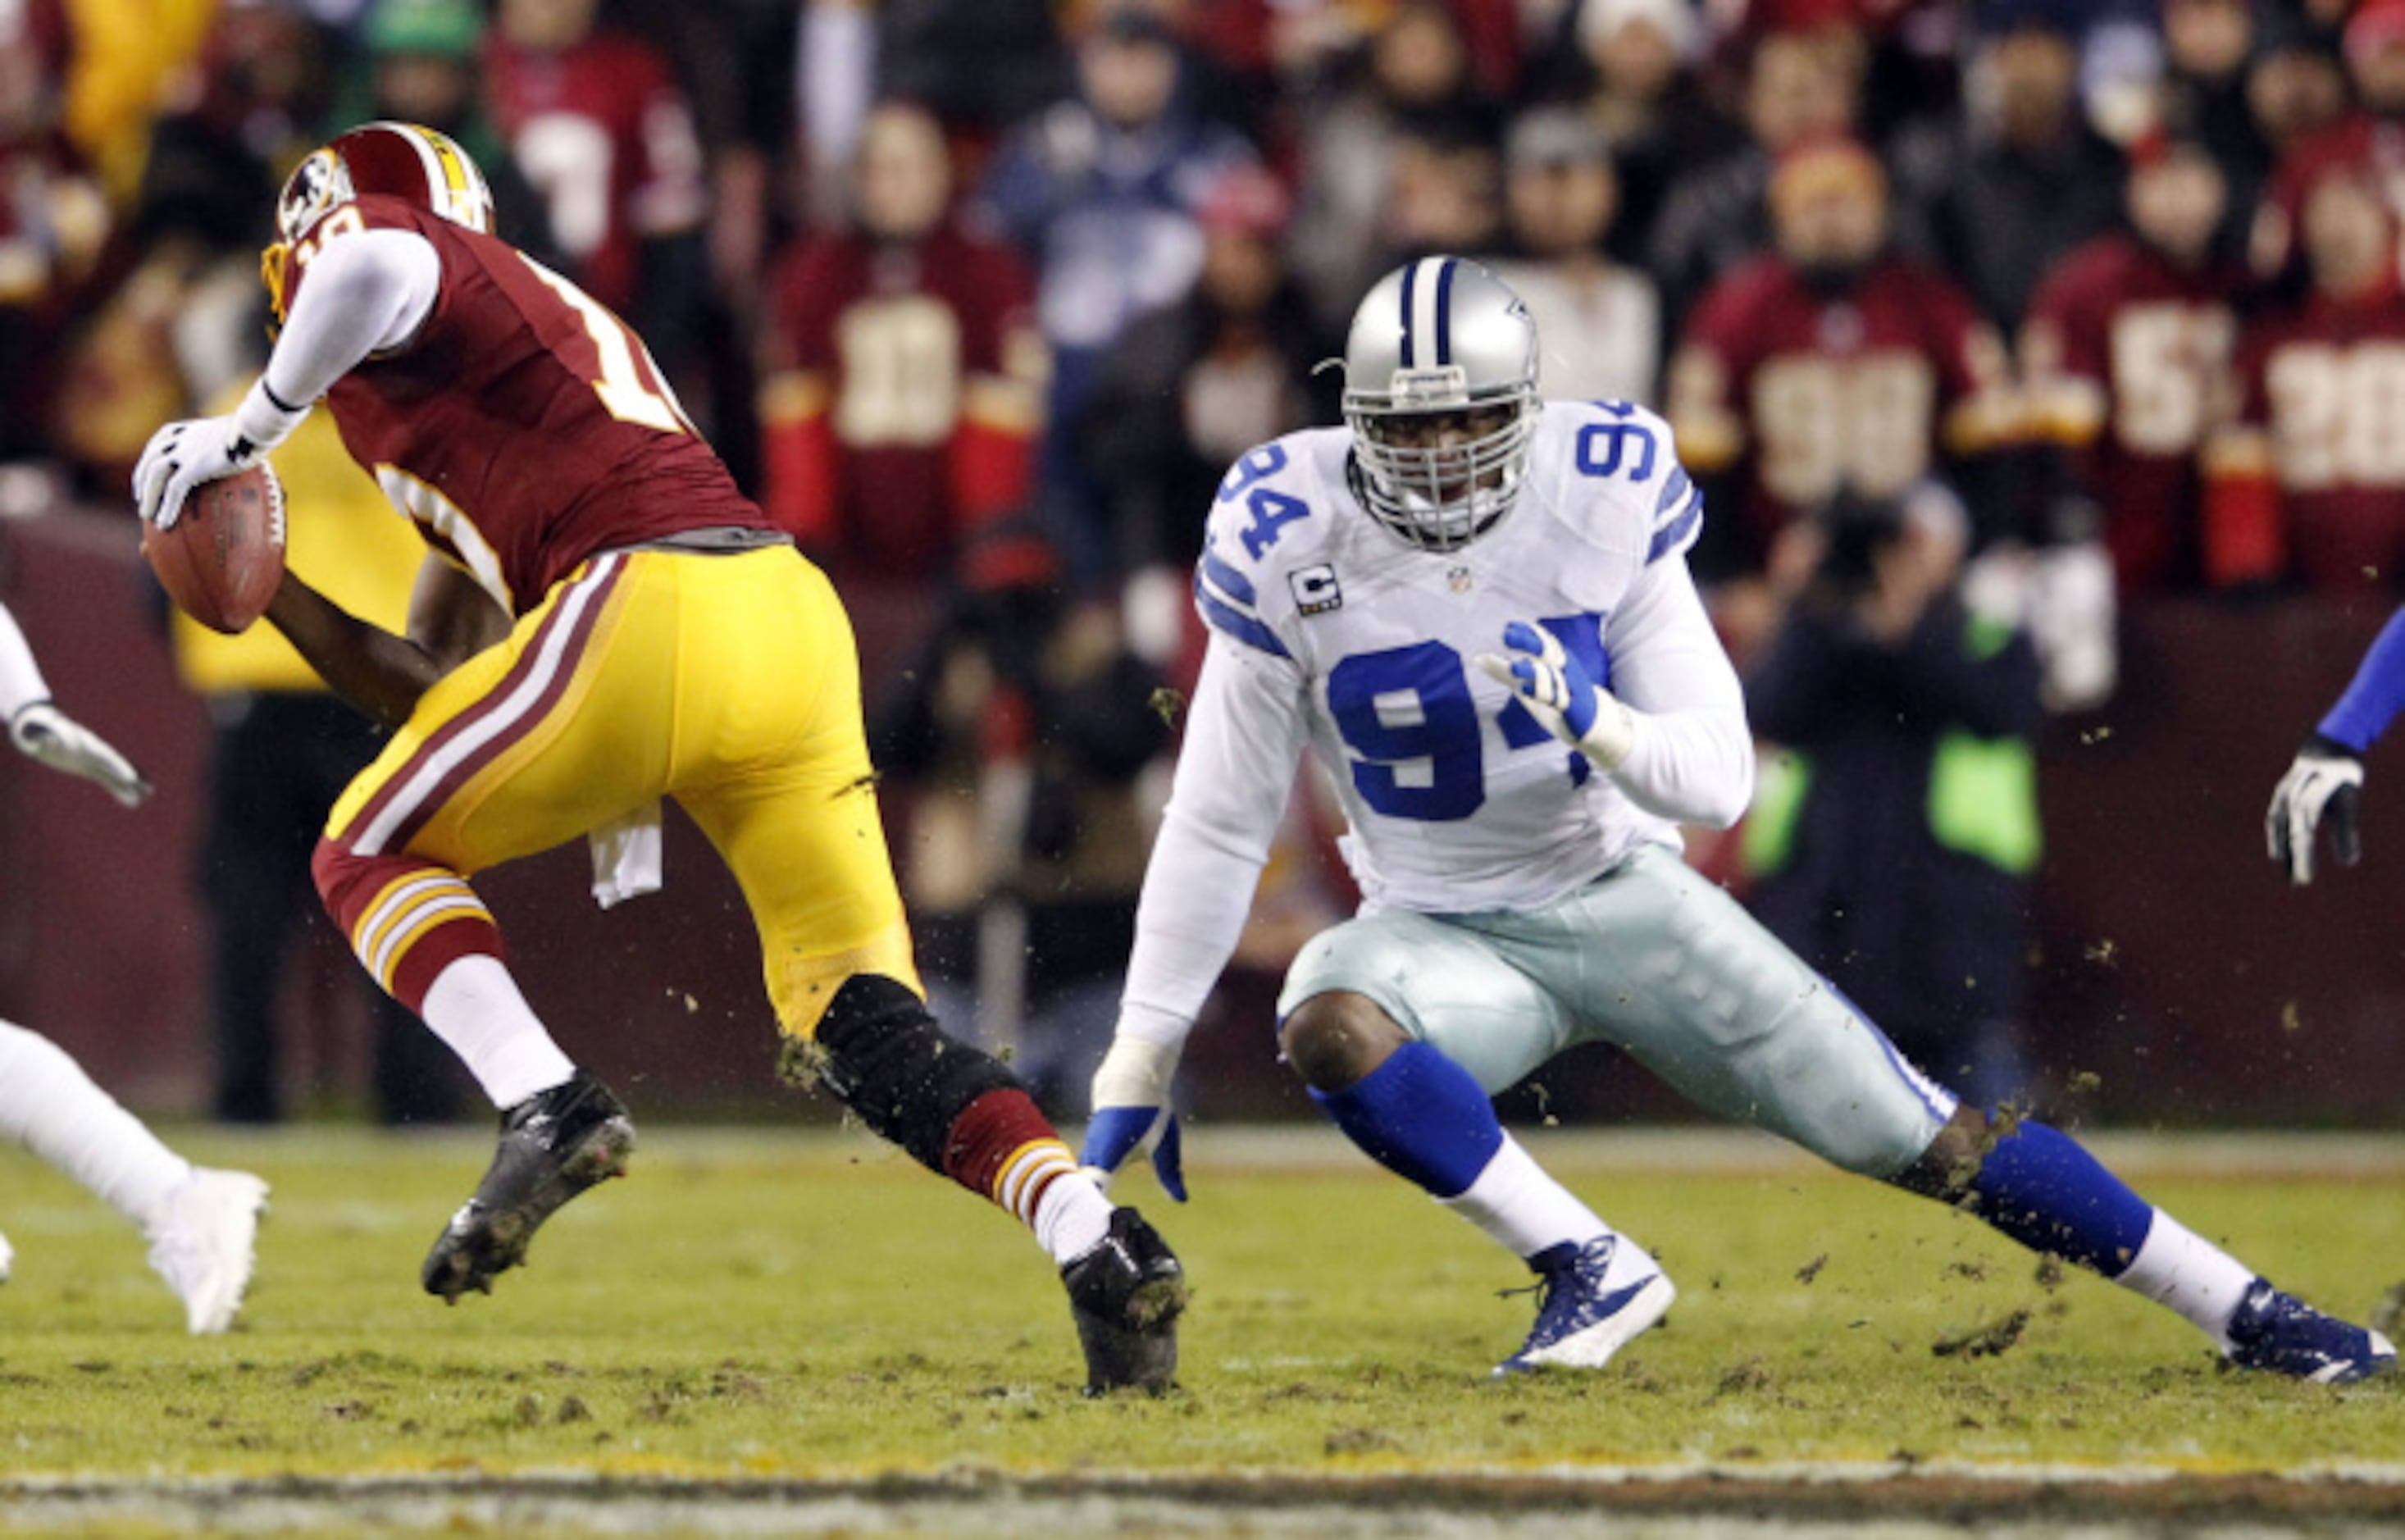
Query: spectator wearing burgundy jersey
x=53 y=220
x=902 y=378
x=2309 y=475
x=2124 y=350
x=596 y=122
x=1836 y=362
x=2368 y=141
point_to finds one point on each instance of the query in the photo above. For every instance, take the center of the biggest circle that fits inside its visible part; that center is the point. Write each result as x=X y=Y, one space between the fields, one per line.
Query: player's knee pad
x=882 y=1055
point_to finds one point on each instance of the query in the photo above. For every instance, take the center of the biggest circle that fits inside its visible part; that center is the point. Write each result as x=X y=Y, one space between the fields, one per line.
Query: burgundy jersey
x=2358 y=144
x=1807 y=393
x=2322 y=389
x=902 y=399
x=525 y=428
x=2125 y=354
x=604 y=133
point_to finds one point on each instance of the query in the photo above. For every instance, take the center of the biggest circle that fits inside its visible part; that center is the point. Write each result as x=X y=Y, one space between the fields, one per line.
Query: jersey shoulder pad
x=1268 y=522
x=1617 y=479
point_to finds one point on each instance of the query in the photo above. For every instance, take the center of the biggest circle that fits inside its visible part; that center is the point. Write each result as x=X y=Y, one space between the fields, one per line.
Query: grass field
x=770 y=1309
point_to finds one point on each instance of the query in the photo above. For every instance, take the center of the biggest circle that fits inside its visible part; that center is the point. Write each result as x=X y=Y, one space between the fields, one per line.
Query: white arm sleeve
x=21 y=677
x=368 y=291
x=1693 y=755
x=1244 y=734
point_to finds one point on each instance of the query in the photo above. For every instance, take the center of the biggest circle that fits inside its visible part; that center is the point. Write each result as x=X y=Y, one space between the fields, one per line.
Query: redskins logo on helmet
x=418 y=165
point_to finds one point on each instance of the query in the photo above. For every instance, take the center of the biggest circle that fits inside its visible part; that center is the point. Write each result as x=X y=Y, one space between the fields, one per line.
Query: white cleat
x=205 y=1245
x=1581 y=1322
x=7 y=1257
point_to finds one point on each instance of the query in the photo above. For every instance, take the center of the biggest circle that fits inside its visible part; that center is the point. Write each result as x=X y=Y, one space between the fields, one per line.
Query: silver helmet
x=1440 y=393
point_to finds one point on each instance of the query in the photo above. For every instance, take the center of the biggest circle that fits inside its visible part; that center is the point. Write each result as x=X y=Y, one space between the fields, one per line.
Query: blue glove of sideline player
x=1558 y=692
x=1131 y=1102
x=2325 y=782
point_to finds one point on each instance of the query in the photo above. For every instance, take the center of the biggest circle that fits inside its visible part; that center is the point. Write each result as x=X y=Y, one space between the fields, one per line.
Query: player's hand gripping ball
x=224 y=559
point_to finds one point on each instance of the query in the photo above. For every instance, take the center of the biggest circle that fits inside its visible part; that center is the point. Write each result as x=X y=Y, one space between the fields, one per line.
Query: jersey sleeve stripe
x=1679 y=533
x=1228 y=581
x=1674 y=486
x=1235 y=623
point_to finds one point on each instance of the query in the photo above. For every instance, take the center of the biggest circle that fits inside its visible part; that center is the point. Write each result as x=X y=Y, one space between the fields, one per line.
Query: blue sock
x=1421 y=1116
x=2038 y=1186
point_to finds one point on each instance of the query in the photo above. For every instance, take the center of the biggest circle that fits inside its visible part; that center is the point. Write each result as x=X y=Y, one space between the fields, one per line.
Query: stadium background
x=2176 y=980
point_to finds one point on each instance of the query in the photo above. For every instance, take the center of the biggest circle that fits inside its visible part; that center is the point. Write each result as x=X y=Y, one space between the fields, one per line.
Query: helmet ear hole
x=1441 y=394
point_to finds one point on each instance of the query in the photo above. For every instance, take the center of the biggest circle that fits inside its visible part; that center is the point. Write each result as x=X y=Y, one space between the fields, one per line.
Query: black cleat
x=555 y=1145
x=1127 y=1294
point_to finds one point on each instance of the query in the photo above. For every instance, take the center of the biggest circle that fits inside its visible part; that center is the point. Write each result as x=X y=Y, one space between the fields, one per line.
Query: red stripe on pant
x=988 y=1132
x=348 y=884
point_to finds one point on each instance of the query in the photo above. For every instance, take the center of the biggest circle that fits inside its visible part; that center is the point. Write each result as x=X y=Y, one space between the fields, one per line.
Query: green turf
x=815 y=1304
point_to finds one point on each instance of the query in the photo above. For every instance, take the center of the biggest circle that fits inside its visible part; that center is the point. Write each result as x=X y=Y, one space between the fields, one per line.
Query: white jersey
x=1329 y=630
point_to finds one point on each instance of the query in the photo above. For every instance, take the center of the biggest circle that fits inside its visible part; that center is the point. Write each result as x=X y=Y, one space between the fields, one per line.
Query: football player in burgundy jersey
x=2126 y=345
x=1832 y=361
x=2308 y=475
x=587 y=637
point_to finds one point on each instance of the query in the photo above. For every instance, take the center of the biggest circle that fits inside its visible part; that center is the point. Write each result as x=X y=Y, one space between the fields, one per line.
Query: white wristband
x=1135 y=1073
x=263 y=420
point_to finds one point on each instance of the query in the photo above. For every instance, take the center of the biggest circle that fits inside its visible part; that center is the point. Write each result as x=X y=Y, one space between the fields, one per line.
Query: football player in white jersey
x=200 y=1223
x=1475 y=607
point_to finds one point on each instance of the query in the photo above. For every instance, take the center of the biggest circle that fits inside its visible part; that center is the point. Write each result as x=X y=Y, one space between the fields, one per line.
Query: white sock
x=475 y=1007
x=1527 y=1211
x=2179 y=1268
x=49 y=1105
x=1071 y=1217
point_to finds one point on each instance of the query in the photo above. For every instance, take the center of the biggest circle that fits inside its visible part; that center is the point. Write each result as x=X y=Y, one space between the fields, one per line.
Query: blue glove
x=1131 y=1103
x=1558 y=692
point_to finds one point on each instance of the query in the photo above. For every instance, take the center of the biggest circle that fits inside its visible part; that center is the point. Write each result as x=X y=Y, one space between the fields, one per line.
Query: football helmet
x=1441 y=394
x=421 y=167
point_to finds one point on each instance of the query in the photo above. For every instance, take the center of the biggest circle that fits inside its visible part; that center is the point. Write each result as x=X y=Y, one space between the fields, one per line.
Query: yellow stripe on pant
x=730 y=682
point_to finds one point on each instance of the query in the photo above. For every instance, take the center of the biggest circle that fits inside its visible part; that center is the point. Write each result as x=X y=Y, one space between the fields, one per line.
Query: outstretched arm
x=450 y=620
x=2325 y=782
x=43 y=732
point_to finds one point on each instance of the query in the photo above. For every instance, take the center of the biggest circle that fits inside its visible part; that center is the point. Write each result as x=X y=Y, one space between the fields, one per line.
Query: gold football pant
x=728 y=682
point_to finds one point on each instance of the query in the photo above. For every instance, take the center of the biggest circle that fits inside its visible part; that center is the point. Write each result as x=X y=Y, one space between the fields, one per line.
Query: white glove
x=1130 y=1113
x=184 y=454
x=46 y=733
x=1557 y=691
x=2326 y=780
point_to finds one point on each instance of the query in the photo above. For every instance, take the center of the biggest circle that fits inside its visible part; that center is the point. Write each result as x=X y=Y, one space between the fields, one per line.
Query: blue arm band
x=2377 y=694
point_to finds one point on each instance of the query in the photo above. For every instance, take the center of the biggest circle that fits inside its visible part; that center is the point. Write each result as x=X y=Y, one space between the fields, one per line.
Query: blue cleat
x=1580 y=1323
x=2281 y=1333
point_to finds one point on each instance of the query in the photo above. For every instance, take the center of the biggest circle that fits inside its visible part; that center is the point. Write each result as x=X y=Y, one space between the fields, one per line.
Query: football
x=224 y=557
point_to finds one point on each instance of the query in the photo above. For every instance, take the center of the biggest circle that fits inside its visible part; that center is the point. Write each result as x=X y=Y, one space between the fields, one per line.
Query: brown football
x=225 y=556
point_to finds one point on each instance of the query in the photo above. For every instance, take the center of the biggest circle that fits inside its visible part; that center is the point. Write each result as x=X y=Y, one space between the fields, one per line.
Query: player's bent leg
x=200 y=1222
x=1420 y=1115
x=2040 y=1187
x=960 y=1114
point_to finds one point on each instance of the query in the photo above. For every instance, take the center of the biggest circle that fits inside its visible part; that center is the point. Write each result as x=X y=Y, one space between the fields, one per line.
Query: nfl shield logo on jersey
x=1315 y=589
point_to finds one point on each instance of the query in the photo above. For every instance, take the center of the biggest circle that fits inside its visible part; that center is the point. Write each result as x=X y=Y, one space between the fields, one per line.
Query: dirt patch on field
x=1895 y=1496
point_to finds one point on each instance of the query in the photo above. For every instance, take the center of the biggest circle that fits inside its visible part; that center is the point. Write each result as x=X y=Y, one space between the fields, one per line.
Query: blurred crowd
x=1973 y=318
